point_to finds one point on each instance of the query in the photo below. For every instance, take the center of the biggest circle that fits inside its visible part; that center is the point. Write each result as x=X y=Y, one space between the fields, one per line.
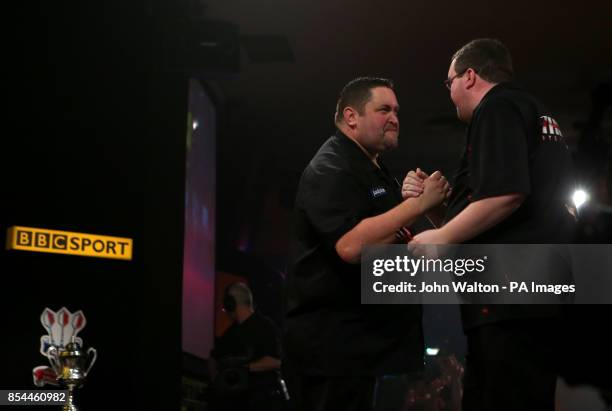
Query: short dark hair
x=358 y=92
x=490 y=58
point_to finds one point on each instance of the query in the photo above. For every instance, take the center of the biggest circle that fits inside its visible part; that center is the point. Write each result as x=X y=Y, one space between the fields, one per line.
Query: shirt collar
x=497 y=89
x=355 y=153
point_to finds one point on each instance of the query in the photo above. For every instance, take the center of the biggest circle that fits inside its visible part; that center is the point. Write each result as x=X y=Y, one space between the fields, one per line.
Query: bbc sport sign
x=65 y=242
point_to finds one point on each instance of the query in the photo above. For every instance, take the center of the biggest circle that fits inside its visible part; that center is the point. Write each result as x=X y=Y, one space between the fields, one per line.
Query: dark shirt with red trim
x=329 y=332
x=515 y=146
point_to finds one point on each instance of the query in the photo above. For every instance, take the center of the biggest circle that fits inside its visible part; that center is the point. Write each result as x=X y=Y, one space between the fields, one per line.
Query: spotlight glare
x=580 y=197
x=432 y=351
x=195 y=124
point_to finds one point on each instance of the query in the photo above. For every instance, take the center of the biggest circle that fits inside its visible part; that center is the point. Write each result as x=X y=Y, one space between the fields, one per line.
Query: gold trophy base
x=69 y=404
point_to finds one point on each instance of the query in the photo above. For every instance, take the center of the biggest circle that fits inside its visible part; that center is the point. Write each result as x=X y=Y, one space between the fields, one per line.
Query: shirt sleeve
x=266 y=341
x=227 y=344
x=333 y=202
x=499 y=155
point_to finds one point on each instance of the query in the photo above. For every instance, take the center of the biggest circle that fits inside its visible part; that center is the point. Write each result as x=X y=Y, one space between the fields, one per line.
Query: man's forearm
x=479 y=216
x=379 y=229
x=266 y=363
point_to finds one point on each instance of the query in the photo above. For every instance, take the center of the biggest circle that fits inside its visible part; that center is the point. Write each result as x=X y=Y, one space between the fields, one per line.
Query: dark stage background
x=94 y=126
x=93 y=140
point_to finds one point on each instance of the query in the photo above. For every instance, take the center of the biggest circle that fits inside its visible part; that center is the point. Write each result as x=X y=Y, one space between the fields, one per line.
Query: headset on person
x=229 y=302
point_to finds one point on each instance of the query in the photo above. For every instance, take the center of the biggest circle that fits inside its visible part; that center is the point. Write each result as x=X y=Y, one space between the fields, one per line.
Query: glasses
x=449 y=81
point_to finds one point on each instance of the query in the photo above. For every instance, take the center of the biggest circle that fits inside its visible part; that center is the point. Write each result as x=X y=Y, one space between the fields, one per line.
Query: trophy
x=70 y=364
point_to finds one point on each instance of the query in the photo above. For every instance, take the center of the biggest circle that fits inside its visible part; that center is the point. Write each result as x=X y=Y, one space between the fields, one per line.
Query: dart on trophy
x=70 y=364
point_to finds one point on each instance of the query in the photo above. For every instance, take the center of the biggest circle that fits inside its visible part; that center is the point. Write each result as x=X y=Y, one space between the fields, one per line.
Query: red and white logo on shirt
x=550 y=129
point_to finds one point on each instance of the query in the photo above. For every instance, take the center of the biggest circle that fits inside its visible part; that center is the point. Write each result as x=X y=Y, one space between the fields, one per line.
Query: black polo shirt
x=254 y=338
x=515 y=146
x=329 y=332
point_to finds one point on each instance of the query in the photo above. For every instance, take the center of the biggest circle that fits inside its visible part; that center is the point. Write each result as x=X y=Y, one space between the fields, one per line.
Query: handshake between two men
x=433 y=190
